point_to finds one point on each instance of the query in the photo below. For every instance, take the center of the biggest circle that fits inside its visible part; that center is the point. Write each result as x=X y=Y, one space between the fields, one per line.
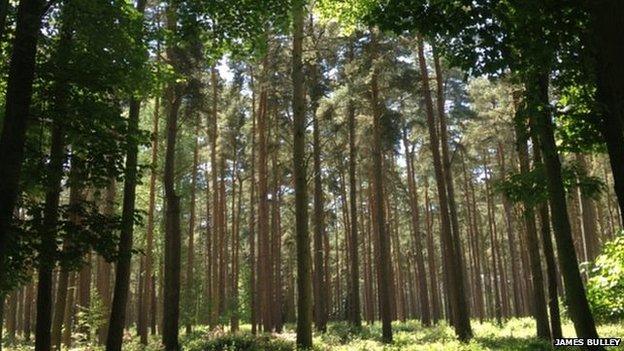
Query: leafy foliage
x=605 y=287
x=531 y=187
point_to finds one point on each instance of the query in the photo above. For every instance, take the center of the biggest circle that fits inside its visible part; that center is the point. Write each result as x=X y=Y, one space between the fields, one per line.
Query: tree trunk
x=144 y=308
x=122 y=271
x=606 y=24
x=69 y=311
x=252 y=215
x=190 y=256
x=171 y=298
x=354 y=285
x=16 y=115
x=47 y=254
x=425 y=315
x=302 y=236
x=579 y=310
x=103 y=284
x=457 y=297
x=213 y=132
x=320 y=300
x=383 y=265
x=549 y=255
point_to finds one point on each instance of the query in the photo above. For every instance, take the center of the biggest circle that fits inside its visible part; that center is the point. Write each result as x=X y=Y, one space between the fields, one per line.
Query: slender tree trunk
x=264 y=267
x=383 y=247
x=69 y=311
x=27 y=311
x=425 y=315
x=433 y=274
x=47 y=260
x=122 y=272
x=493 y=242
x=16 y=115
x=59 y=307
x=320 y=300
x=354 y=285
x=124 y=261
x=213 y=132
x=579 y=310
x=302 y=236
x=104 y=268
x=511 y=240
x=191 y=240
x=171 y=298
x=538 y=306
x=549 y=256
x=458 y=306
x=144 y=309
x=464 y=313
x=236 y=218
x=47 y=252
x=252 y=215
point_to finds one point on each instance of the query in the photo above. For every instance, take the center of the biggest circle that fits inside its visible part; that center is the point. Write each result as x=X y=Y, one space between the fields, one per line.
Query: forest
x=274 y=175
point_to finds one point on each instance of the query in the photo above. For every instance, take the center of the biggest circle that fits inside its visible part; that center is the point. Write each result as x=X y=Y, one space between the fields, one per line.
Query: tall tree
x=354 y=286
x=171 y=299
x=124 y=261
x=304 y=260
x=458 y=305
x=16 y=115
x=537 y=90
x=383 y=244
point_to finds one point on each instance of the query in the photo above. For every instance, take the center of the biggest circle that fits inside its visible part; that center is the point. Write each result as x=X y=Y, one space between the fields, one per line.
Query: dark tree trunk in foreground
x=171 y=299
x=16 y=114
x=124 y=262
x=549 y=257
x=383 y=239
x=579 y=310
x=608 y=29
x=122 y=271
x=302 y=236
x=48 y=248
x=458 y=303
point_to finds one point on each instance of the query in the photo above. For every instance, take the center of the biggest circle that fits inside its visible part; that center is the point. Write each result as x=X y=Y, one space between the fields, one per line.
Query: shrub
x=605 y=287
x=241 y=342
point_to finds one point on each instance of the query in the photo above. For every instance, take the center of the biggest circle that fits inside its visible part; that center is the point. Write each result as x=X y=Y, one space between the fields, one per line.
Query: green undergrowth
x=515 y=334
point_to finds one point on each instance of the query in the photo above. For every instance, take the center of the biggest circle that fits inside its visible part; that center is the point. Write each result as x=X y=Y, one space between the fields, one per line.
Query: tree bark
x=549 y=256
x=302 y=236
x=383 y=247
x=425 y=315
x=458 y=306
x=252 y=215
x=354 y=292
x=190 y=256
x=122 y=272
x=320 y=300
x=606 y=24
x=580 y=312
x=171 y=298
x=16 y=114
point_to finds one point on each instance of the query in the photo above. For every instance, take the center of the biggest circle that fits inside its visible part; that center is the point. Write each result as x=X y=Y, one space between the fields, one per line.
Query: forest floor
x=515 y=334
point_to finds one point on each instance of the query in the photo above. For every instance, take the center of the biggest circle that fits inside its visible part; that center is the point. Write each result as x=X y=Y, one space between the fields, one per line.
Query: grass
x=515 y=334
